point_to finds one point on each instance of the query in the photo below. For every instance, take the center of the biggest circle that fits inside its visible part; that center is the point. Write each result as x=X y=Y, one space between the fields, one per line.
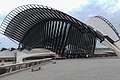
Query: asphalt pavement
x=72 y=69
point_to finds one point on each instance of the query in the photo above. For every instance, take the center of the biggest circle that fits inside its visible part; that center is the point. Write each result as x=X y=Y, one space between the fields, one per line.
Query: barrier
x=9 y=69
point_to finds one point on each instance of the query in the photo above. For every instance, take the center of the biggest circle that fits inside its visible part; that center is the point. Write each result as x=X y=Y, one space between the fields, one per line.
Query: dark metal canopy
x=44 y=27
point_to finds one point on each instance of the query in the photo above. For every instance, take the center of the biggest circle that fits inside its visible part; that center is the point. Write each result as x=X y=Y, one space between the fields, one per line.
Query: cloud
x=2 y=16
x=80 y=9
x=110 y=9
x=6 y=6
x=63 y=5
x=7 y=43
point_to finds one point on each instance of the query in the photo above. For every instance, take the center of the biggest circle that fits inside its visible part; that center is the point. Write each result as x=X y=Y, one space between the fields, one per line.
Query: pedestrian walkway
x=73 y=69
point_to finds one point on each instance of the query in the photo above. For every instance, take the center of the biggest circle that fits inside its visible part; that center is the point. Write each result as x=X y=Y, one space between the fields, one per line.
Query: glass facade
x=59 y=36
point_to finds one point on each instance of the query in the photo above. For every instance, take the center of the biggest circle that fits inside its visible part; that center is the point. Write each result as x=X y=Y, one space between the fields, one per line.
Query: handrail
x=9 y=69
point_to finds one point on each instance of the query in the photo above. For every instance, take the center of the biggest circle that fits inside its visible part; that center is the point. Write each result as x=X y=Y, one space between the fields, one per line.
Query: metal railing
x=13 y=68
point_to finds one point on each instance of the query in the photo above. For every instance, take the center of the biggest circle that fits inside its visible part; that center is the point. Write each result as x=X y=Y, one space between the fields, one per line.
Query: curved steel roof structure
x=44 y=27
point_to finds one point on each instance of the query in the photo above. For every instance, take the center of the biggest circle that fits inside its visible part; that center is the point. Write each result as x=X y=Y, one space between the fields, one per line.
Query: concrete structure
x=111 y=36
x=18 y=56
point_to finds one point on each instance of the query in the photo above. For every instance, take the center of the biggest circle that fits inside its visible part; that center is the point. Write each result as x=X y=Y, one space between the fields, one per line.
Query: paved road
x=74 y=69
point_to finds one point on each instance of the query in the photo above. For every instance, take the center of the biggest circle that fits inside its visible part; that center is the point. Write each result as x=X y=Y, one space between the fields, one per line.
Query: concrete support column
x=2 y=61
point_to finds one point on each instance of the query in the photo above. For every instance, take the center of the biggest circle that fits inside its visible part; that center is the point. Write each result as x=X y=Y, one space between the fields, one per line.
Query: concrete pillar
x=2 y=61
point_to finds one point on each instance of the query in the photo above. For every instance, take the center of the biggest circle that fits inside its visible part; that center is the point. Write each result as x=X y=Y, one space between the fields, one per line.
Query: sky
x=80 y=9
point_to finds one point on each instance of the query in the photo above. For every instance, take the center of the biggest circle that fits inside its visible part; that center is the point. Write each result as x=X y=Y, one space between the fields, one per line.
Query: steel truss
x=37 y=26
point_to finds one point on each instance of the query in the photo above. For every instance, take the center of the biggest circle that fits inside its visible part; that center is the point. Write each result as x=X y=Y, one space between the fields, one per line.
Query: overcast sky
x=80 y=9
